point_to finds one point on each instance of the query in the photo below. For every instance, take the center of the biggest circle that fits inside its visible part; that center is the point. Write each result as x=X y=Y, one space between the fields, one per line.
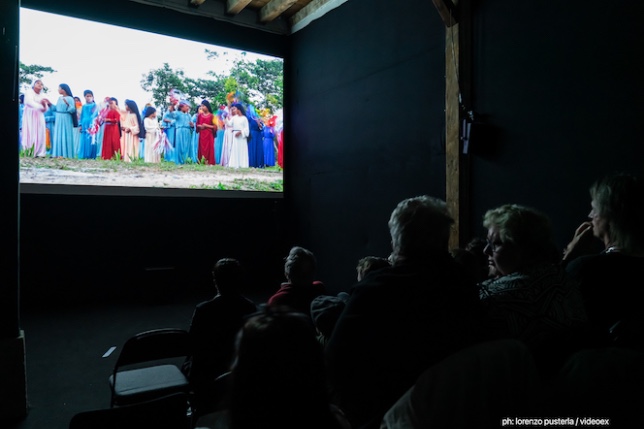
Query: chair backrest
x=154 y=345
x=169 y=412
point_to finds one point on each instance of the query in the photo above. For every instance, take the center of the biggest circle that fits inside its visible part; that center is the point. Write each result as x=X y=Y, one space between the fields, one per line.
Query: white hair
x=419 y=226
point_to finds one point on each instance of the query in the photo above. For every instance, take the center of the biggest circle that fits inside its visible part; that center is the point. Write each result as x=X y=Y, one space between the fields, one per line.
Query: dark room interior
x=553 y=89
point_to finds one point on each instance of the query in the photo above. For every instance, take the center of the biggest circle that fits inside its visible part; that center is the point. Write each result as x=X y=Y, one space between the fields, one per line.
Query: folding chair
x=148 y=366
x=168 y=412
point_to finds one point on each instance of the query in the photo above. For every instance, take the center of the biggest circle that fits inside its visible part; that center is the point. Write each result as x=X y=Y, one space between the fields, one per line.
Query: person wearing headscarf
x=256 y=140
x=34 y=130
x=183 y=133
x=206 y=130
x=63 y=138
x=89 y=112
x=130 y=129
x=268 y=138
x=238 y=123
x=152 y=131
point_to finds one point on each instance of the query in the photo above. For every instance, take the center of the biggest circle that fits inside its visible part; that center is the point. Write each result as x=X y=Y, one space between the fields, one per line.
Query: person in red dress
x=206 y=130
x=112 y=131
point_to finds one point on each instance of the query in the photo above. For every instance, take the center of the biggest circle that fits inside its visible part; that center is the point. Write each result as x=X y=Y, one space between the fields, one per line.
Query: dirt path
x=164 y=175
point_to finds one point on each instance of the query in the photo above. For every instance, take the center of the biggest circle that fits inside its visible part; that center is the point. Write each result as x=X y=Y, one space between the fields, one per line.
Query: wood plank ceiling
x=276 y=16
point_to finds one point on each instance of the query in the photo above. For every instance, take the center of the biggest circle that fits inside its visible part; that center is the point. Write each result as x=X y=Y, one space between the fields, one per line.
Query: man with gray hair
x=301 y=286
x=401 y=320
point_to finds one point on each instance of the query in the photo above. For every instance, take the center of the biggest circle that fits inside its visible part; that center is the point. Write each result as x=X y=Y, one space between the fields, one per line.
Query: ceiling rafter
x=273 y=9
x=275 y=16
x=233 y=7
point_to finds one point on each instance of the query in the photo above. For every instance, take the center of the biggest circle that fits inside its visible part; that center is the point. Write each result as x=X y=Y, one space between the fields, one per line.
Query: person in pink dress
x=34 y=129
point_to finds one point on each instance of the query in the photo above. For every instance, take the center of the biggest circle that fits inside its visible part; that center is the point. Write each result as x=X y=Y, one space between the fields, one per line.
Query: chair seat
x=143 y=384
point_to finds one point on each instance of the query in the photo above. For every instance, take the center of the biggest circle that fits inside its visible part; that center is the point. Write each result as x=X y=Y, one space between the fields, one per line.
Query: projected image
x=118 y=107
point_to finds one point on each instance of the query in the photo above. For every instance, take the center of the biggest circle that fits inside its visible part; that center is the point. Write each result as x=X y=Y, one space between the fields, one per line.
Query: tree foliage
x=161 y=81
x=260 y=83
x=29 y=73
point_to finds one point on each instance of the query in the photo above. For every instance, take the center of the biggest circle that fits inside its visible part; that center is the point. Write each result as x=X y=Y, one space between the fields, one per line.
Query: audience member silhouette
x=278 y=377
x=301 y=286
x=369 y=264
x=532 y=299
x=403 y=319
x=214 y=327
x=473 y=388
x=326 y=309
x=608 y=280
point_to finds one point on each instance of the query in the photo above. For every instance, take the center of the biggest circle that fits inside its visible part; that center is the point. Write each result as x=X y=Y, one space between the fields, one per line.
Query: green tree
x=261 y=81
x=160 y=81
x=29 y=73
x=211 y=90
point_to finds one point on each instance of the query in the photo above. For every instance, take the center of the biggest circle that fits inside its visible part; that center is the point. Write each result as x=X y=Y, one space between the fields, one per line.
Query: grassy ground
x=141 y=174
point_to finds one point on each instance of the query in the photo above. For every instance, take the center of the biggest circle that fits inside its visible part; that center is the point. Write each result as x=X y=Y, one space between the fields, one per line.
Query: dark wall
x=79 y=249
x=559 y=86
x=9 y=232
x=366 y=97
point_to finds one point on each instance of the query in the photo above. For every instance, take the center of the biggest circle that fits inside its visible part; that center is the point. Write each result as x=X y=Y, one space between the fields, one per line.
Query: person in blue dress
x=269 y=143
x=50 y=120
x=167 y=123
x=219 y=137
x=183 y=133
x=89 y=112
x=255 y=139
x=62 y=142
x=194 y=142
x=21 y=108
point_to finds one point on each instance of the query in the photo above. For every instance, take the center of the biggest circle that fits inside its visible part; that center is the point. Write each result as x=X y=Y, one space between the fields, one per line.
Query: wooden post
x=457 y=78
x=452 y=130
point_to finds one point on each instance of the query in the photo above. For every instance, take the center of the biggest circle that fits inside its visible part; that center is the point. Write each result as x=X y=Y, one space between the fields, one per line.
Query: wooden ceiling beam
x=273 y=9
x=312 y=11
x=233 y=7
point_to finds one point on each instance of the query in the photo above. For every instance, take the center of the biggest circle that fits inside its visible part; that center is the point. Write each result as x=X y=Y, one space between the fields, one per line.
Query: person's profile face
x=501 y=255
x=599 y=222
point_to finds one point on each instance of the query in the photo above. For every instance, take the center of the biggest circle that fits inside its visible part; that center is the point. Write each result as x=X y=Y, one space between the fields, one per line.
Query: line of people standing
x=233 y=136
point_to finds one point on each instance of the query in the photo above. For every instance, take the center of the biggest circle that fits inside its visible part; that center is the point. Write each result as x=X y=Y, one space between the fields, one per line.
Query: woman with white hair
x=532 y=297
x=609 y=280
